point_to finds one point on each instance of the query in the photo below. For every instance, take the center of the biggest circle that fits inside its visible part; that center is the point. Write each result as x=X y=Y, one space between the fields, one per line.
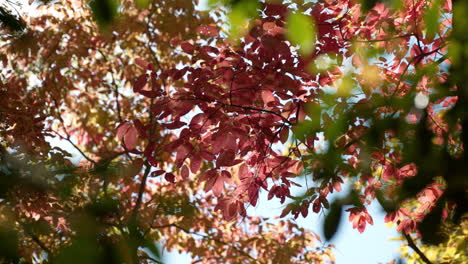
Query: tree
x=64 y=78
x=179 y=116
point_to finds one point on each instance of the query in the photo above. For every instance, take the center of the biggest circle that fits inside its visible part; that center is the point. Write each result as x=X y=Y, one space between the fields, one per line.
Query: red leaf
x=213 y=181
x=324 y=201
x=231 y=210
x=197 y=121
x=195 y=163
x=284 y=134
x=140 y=83
x=390 y=217
x=149 y=149
x=305 y=208
x=184 y=172
x=389 y=171
x=187 y=47
x=407 y=225
x=218 y=185
x=122 y=130
x=267 y=97
x=337 y=185
x=316 y=206
x=359 y=217
x=408 y=170
x=179 y=74
x=149 y=94
x=286 y=210
x=157 y=173
x=130 y=138
x=226 y=158
x=226 y=176
x=135 y=167
x=243 y=171
x=241 y=209
x=253 y=194
x=230 y=142
x=152 y=161
x=169 y=177
x=218 y=143
x=207 y=175
x=141 y=128
x=142 y=63
x=182 y=153
x=272 y=192
x=207 y=155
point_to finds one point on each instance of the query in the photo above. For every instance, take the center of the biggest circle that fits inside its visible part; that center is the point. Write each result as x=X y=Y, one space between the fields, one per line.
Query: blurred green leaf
x=431 y=18
x=367 y=5
x=8 y=245
x=396 y=4
x=305 y=128
x=332 y=220
x=314 y=110
x=142 y=3
x=430 y=226
x=335 y=128
x=387 y=205
x=104 y=11
x=241 y=13
x=301 y=31
x=153 y=249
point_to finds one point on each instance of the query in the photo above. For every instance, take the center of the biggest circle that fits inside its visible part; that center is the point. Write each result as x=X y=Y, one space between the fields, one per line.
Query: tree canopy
x=183 y=112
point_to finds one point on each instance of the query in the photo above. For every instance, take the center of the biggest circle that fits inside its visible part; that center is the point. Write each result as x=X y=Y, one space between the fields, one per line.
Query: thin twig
x=67 y=138
x=115 y=86
x=141 y=190
x=413 y=246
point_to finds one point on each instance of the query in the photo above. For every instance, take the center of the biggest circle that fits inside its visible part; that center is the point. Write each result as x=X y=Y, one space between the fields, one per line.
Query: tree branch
x=67 y=138
x=413 y=246
x=141 y=190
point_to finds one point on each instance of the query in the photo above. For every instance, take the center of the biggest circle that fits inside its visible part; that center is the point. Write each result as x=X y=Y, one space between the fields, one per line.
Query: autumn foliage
x=179 y=118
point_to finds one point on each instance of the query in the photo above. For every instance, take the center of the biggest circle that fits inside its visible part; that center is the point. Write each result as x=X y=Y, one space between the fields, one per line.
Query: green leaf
x=301 y=31
x=304 y=129
x=332 y=220
x=430 y=227
x=431 y=18
x=104 y=11
x=367 y=5
x=242 y=12
x=142 y=3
